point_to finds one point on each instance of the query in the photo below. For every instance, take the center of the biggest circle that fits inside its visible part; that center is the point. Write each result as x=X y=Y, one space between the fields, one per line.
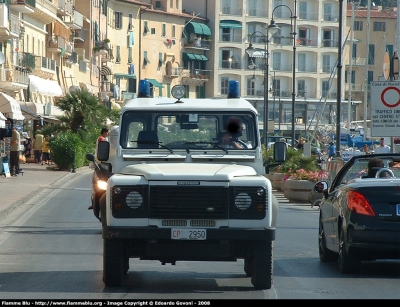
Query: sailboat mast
x=349 y=73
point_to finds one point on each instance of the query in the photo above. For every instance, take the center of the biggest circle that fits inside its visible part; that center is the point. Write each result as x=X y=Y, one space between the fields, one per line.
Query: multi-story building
x=375 y=36
x=107 y=46
x=315 y=24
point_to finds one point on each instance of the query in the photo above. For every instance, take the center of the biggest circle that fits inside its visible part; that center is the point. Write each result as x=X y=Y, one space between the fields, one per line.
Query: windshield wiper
x=153 y=143
x=200 y=144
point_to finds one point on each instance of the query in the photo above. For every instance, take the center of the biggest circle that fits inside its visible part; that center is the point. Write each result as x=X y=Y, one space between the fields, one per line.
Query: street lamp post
x=272 y=90
x=273 y=26
x=252 y=52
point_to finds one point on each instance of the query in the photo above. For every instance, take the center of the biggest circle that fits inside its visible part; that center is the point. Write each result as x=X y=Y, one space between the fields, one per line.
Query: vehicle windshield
x=182 y=130
x=359 y=169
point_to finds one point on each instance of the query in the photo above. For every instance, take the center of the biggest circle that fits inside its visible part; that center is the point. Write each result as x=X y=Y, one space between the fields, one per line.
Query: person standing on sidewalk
x=37 y=147
x=46 y=151
x=14 y=152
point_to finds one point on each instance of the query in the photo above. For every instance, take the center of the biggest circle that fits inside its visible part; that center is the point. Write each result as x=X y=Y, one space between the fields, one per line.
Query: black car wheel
x=325 y=255
x=113 y=262
x=349 y=262
x=262 y=271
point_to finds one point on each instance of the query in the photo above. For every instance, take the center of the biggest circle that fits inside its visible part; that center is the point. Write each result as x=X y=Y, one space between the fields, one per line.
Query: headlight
x=102 y=185
x=243 y=201
x=134 y=200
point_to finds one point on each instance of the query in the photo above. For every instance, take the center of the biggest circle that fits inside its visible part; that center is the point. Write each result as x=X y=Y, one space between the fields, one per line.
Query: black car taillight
x=357 y=203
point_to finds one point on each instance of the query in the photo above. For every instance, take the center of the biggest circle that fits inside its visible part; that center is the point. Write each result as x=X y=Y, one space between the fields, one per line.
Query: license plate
x=188 y=234
x=398 y=209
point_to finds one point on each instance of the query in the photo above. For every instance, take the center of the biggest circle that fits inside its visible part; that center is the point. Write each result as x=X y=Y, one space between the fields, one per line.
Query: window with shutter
x=129 y=54
x=118 y=56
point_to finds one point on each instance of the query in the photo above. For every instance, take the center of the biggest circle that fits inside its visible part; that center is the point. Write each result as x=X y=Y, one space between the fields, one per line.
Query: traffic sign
x=385 y=108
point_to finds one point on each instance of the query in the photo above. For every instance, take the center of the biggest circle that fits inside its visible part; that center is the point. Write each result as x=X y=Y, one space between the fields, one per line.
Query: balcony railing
x=230 y=38
x=356 y=61
x=14 y=75
x=65 y=7
x=230 y=10
x=27 y=60
x=230 y=64
x=195 y=76
x=329 y=43
x=173 y=72
x=257 y=12
x=45 y=63
x=31 y=3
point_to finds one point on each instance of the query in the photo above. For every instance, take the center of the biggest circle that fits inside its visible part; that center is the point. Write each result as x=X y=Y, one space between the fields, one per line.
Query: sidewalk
x=17 y=190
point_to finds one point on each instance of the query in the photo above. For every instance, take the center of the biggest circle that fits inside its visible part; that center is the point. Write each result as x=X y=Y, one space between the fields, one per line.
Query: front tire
x=325 y=255
x=349 y=262
x=113 y=262
x=262 y=271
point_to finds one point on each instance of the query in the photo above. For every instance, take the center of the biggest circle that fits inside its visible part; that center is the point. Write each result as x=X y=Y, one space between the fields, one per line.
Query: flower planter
x=277 y=180
x=298 y=190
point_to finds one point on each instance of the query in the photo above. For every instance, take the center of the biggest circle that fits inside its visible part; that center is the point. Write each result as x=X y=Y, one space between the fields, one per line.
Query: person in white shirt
x=382 y=148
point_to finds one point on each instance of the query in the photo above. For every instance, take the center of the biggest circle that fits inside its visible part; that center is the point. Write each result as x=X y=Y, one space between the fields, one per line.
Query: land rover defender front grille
x=188 y=202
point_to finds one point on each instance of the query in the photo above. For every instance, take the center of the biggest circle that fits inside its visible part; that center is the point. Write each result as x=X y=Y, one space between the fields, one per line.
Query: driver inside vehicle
x=234 y=130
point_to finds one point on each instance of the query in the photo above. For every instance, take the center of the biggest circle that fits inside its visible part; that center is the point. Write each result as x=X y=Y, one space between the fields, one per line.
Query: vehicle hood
x=188 y=171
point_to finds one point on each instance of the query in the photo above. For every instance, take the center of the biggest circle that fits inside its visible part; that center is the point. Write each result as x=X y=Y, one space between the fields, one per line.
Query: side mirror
x=280 y=149
x=103 y=151
x=90 y=157
x=321 y=187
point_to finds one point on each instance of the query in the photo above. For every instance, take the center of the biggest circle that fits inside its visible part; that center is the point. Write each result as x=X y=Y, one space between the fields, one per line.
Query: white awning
x=2 y=120
x=44 y=86
x=51 y=110
x=10 y=107
x=257 y=53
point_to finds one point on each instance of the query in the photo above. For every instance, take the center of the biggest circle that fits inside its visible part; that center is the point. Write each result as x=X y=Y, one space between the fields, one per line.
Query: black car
x=359 y=216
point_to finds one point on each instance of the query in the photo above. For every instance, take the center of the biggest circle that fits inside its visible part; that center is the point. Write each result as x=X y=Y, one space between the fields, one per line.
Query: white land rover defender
x=184 y=182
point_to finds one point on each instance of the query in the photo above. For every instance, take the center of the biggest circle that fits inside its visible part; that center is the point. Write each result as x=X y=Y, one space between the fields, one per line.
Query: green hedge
x=68 y=151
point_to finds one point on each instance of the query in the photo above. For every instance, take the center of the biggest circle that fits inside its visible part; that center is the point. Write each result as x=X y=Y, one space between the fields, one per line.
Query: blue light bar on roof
x=144 y=89
x=233 y=89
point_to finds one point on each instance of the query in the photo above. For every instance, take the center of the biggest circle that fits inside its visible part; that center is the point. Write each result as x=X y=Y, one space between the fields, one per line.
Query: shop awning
x=203 y=57
x=10 y=107
x=2 y=117
x=155 y=83
x=198 y=28
x=125 y=76
x=206 y=29
x=187 y=56
x=194 y=27
x=31 y=110
x=44 y=86
x=233 y=24
x=52 y=110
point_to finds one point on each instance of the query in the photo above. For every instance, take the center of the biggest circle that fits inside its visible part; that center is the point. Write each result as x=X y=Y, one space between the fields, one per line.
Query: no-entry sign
x=385 y=108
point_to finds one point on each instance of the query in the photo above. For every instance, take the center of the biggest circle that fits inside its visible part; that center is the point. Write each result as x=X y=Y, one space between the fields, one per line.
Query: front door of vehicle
x=327 y=219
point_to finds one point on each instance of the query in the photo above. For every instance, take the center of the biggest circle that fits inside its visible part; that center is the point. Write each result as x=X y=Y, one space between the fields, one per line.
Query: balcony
x=73 y=58
x=14 y=79
x=65 y=7
x=329 y=43
x=356 y=62
x=44 y=67
x=60 y=45
x=79 y=35
x=9 y=29
x=195 y=76
x=45 y=11
x=23 y=6
x=173 y=72
x=201 y=44
x=74 y=21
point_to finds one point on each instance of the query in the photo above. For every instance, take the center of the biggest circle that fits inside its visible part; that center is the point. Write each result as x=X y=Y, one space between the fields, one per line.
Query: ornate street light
x=264 y=53
x=274 y=27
